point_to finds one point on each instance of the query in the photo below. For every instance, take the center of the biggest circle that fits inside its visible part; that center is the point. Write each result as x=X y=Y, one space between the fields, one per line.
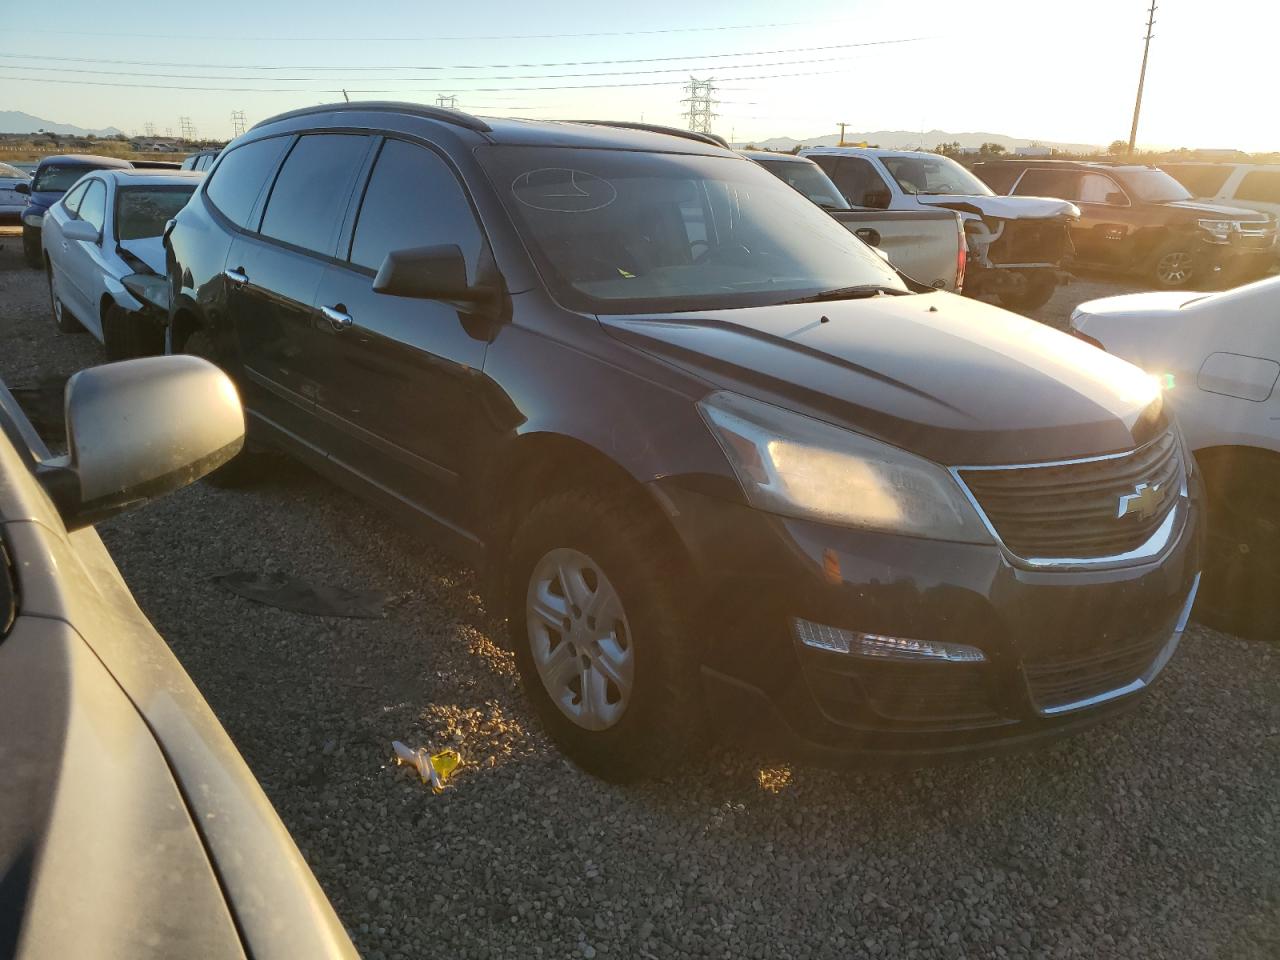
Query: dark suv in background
x=1137 y=218
x=713 y=457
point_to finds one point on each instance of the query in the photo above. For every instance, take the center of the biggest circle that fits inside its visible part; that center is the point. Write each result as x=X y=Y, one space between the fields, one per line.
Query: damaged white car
x=102 y=249
x=1016 y=244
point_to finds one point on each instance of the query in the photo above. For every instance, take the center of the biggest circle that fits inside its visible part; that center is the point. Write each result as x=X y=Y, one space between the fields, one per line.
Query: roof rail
x=707 y=138
x=444 y=114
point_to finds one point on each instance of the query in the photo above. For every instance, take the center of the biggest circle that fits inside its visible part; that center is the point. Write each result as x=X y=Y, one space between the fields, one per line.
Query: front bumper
x=1063 y=648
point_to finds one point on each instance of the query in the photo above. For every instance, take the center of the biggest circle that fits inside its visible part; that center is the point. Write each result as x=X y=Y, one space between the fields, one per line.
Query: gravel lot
x=1155 y=836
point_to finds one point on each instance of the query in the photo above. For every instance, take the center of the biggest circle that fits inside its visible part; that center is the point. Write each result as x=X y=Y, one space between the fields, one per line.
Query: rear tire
x=248 y=465
x=1240 y=589
x=63 y=319
x=618 y=694
x=1036 y=290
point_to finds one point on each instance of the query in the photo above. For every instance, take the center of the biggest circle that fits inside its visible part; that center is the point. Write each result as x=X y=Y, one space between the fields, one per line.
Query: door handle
x=236 y=276
x=337 y=316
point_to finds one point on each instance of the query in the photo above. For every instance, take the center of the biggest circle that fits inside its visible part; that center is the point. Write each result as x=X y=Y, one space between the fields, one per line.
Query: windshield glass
x=143 y=211
x=933 y=175
x=8 y=171
x=810 y=180
x=616 y=231
x=58 y=177
x=1153 y=186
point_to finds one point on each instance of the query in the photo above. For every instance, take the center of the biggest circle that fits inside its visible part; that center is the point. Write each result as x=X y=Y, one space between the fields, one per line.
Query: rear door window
x=1060 y=184
x=236 y=184
x=1260 y=185
x=413 y=200
x=93 y=207
x=310 y=195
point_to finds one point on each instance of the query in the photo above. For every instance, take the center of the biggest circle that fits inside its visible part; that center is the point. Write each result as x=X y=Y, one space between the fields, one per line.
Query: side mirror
x=429 y=273
x=138 y=430
x=22 y=188
x=81 y=230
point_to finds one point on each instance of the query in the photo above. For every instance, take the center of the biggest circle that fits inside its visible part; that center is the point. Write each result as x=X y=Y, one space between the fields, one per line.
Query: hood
x=1005 y=208
x=1157 y=301
x=1203 y=208
x=44 y=199
x=150 y=250
x=955 y=380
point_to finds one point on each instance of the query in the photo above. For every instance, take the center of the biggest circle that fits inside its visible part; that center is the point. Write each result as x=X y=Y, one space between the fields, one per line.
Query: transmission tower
x=237 y=123
x=1142 y=76
x=149 y=129
x=186 y=129
x=449 y=101
x=702 y=103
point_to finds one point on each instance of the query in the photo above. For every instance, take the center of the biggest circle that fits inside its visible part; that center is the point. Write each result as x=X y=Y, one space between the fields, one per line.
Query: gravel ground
x=1154 y=836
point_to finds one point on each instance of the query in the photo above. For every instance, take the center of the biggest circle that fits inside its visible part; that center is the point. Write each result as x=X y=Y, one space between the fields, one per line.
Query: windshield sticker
x=561 y=190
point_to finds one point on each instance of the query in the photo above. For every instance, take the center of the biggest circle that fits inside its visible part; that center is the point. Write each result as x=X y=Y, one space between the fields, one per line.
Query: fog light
x=835 y=640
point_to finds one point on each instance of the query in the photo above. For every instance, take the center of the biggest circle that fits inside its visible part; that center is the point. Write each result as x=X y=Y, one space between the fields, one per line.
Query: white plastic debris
x=432 y=768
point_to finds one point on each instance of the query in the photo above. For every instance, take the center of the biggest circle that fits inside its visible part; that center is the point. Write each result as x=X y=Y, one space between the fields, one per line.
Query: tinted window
x=310 y=195
x=71 y=200
x=189 y=163
x=1203 y=181
x=57 y=177
x=809 y=179
x=1263 y=185
x=1061 y=184
x=413 y=200
x=859 y=180
x=93 y=208
x=234 y=188
x=143 y=211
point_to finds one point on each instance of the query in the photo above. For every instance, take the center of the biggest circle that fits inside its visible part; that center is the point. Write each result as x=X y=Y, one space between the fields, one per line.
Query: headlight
x=797 y=466
x=32 y=219
x=1220 y=230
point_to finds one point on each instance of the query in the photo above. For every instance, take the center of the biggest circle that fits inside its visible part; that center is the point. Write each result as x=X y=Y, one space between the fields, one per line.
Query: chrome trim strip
x=1148 y=676
x=1153 y=546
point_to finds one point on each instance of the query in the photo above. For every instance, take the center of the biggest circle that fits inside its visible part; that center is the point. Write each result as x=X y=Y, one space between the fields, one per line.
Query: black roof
x=85 y=160
x=614 y=134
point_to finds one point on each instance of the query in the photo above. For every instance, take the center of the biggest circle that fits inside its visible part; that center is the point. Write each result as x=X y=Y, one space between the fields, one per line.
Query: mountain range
x=915 y=140
x=15 y=121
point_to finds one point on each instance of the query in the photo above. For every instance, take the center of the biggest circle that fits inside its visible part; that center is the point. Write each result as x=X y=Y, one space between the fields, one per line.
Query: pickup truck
x=926 y=245
x=1016 y=245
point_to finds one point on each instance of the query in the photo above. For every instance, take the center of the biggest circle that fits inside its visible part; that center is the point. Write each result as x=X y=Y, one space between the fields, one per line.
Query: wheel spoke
x=575 y=588
x=549 y=608
x=614 y=663
x=558 y=664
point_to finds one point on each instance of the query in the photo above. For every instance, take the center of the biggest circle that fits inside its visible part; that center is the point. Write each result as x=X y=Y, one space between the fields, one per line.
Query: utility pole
x=447 y=100
x=344 y=95
x=237 y=123
x=1142 y=77
x=702 y=103
x=841 y=125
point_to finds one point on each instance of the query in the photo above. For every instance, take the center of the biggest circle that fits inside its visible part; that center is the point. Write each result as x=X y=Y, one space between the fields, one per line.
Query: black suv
x=715 y=459
x=1137 y=218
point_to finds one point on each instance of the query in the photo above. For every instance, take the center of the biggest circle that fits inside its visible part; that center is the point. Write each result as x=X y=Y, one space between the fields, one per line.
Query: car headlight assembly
x=1220 y=230
x=797 y=466
x=32 y=219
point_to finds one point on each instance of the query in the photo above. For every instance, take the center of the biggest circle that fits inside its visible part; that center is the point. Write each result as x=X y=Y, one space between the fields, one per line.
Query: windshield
x=142 y=212
x=934 y=175
x=616 y=231
x=1153 y=186
x=58 y=177
x=8 y=171
x=810 y=180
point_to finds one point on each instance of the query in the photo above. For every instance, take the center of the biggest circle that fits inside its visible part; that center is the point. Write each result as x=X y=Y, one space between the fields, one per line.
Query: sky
x=1025 y=68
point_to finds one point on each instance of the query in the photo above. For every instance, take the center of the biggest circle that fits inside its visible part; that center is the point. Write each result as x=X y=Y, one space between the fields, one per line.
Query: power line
x=462 y=66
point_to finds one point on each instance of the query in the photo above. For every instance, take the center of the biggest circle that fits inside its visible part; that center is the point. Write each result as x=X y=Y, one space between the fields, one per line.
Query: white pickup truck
x=1016 y=245
x=926 y=245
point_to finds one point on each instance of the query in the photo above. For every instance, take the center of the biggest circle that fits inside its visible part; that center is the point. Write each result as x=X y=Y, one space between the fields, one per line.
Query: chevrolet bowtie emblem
x=1144 y=503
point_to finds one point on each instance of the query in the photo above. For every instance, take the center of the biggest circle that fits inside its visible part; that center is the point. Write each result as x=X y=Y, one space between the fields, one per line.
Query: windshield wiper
x=858 y=292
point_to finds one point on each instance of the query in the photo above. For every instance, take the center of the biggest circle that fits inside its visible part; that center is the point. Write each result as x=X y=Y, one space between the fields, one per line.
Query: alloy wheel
x=580 y=639
x=1174 y=268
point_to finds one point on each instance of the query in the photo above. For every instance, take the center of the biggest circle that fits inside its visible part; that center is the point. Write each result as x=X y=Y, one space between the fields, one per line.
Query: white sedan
x=1218 y=356
x=105 y=229
x=15 y=189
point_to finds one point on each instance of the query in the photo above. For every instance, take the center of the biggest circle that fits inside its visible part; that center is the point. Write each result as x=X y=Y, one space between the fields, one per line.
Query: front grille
x=1030 y=241
x=1071 y=510
x=1065 y=680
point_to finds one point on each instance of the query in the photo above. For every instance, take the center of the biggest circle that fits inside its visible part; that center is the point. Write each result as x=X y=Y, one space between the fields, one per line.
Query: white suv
x=1251 y=186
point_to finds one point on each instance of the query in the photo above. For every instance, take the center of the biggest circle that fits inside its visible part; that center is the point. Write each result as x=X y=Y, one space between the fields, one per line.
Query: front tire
x=600 y=628
x=31 y=247
x=1172 y=266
